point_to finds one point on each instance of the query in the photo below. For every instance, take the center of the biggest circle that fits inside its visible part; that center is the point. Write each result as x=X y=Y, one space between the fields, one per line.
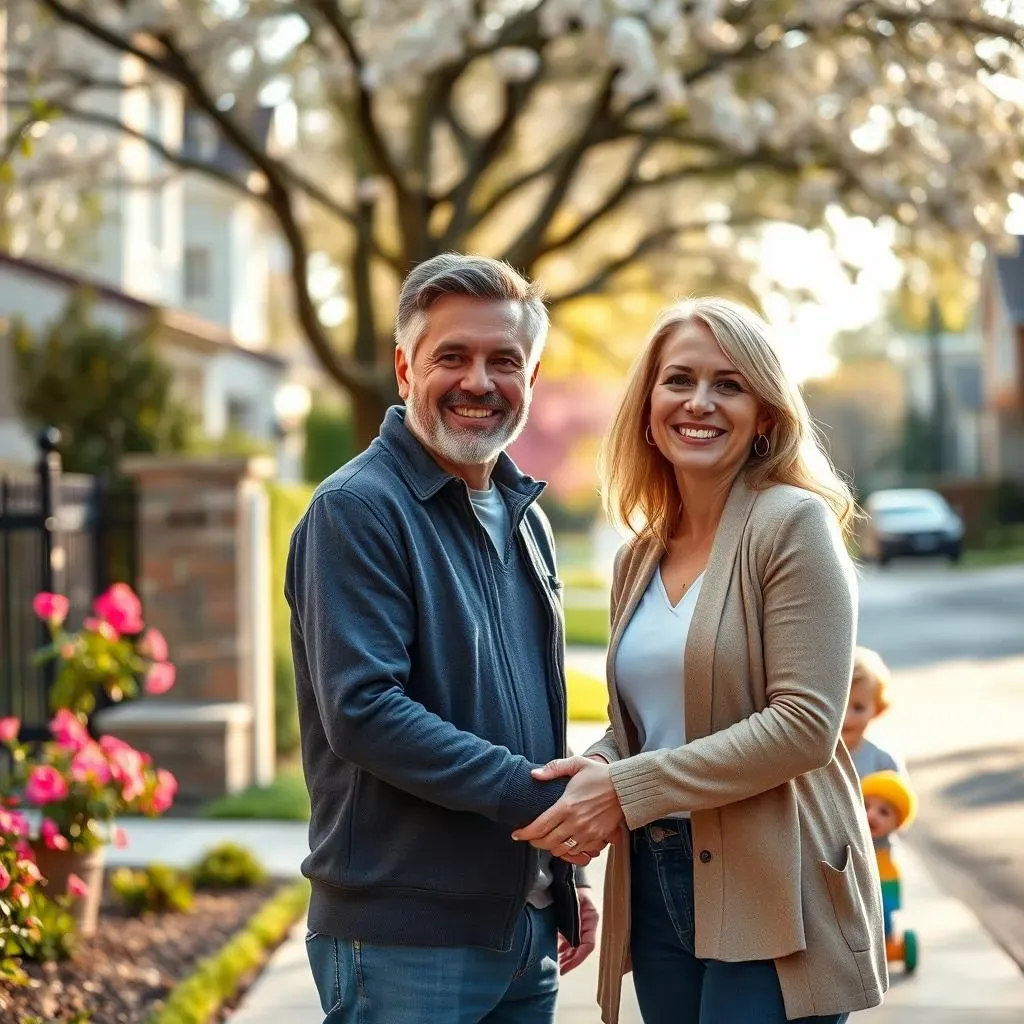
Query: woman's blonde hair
x=640 y=490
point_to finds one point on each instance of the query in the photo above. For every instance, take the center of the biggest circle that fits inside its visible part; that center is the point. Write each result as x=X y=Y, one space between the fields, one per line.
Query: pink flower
x=9 y=729
x=153 y=645
x=51 y=835
x=119 y=837
x=76 y=887
x=12 y=823
x=126 y=766
x=21 y=897
x=51 y=608
x=25 y=852
x=5 y=878
x=105 y=629
x=90 y=763
x=45 y=785
x=69 y=730
x=160 y=677
x=30 y=873
x=166 y=787
x=121 y=608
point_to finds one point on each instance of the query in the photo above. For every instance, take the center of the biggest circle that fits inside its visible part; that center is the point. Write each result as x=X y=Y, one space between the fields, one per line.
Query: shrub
x=228 y=866
x=287 y=503
x=156 y=889
x=56 y=938
x=330 y=442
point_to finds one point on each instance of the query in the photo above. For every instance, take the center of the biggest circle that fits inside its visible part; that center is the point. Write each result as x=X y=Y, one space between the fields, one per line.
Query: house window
x=239 y=416
x=197 y=273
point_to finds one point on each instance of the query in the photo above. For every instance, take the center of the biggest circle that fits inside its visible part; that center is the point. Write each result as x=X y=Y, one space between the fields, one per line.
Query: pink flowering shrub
x=113 y=651
x=80 y=785
x=19 y=881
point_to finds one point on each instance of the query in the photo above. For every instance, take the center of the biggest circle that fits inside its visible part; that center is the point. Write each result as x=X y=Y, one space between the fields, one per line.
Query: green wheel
x=910 y=951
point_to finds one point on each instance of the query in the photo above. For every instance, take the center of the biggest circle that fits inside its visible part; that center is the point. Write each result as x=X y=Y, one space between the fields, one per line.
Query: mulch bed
x=126 y=970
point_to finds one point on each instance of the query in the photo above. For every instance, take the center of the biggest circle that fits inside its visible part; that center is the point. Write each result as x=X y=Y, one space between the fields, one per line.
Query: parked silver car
x=911 y=523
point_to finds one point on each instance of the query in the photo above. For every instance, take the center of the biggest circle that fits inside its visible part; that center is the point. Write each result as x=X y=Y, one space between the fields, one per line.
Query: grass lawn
x=987 y=558
x=586 y=626
x=285 y=799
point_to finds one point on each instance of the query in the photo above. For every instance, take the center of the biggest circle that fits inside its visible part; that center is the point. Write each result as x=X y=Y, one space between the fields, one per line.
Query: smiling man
x=428 y=644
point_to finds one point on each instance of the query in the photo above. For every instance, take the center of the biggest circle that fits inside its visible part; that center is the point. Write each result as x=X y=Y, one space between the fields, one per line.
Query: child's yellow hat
x=894 y=788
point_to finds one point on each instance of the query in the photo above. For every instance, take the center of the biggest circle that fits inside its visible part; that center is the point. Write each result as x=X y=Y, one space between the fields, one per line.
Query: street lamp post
x=938 y=417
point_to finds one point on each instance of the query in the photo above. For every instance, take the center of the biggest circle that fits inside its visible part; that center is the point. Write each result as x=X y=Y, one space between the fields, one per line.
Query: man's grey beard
x=469 y=447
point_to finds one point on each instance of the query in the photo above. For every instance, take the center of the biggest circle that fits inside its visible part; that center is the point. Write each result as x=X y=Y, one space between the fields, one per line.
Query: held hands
x=587 y=812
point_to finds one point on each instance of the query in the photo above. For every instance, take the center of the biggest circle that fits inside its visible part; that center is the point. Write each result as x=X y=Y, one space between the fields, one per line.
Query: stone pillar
x=198 y=570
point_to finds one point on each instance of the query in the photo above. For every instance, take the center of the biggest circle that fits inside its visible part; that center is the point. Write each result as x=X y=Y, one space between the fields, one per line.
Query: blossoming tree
x=575 y=138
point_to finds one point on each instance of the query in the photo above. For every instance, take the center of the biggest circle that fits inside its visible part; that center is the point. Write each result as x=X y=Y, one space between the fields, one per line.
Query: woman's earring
x=647 y=435
x=762 y=446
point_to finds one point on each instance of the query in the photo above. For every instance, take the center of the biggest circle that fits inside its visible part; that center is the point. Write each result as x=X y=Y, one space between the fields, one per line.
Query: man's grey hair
x=478 y=277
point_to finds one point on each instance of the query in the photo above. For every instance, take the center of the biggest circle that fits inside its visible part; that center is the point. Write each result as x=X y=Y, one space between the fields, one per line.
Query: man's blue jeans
x=363 y=983
x=671 y=982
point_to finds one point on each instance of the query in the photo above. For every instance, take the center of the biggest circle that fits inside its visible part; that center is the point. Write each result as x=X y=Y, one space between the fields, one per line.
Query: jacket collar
x=426 y=477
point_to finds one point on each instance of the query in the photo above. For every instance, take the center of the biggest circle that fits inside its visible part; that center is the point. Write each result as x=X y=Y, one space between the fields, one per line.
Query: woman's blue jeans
x=671 y=982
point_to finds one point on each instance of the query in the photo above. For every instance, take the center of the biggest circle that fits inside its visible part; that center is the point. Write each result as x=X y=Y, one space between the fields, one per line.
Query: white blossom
x=631 y=47
x=516 y=63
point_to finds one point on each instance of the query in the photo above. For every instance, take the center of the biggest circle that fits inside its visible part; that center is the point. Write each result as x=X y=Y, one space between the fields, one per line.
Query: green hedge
x=287 y=503
x=330 y=442
x=196 y=999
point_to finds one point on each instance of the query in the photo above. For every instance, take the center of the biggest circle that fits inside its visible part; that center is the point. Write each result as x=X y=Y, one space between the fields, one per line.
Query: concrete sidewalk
x=963 y=977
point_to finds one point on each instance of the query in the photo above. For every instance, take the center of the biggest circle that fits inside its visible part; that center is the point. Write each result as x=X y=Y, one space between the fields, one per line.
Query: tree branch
x=648 y=243
x=612 y=201
x=102 y=34
x=176 y=159
x=346 y=371
x=481 y=154
x=523 y=251
x=599 y=278
x=385 y=163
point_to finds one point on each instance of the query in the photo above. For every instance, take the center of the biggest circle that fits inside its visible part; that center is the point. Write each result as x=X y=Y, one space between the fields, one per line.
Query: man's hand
x=587 y=812
x=570 y=957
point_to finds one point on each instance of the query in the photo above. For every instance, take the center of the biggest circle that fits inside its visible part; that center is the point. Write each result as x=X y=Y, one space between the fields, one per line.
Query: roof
x=1010 y=269
x=210 y=336
x=225 y=156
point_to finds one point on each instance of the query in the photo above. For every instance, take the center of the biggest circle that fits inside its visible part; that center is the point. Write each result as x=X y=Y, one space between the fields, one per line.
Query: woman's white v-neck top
x=649 y=670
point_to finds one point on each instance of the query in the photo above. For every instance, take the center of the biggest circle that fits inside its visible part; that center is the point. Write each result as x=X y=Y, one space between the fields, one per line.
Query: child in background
x=869 y=698
x=890 y=805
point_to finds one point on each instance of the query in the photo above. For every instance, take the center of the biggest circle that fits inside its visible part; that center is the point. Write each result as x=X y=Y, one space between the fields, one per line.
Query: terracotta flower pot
x=57 y=865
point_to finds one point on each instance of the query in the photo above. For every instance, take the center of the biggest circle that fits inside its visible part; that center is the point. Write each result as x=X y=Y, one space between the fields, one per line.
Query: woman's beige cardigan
x=783 y=862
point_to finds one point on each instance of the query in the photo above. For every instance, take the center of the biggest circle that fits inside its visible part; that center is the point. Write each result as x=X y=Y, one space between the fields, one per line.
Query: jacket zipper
x=482 y=537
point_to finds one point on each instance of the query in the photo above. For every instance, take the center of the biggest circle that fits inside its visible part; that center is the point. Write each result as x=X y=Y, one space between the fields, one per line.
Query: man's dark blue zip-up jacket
x=420 y=720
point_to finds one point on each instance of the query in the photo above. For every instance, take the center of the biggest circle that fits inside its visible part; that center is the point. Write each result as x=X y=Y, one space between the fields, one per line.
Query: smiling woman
x=732 y=630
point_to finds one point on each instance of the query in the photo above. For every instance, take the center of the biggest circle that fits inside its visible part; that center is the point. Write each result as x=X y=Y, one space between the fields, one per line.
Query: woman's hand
x=587 y=812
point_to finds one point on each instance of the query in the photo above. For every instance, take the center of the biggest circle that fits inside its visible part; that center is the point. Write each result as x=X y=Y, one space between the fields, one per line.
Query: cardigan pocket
x=847 y=903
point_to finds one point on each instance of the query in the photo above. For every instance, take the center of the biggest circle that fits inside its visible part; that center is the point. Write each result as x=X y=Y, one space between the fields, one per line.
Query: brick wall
x=195 y=578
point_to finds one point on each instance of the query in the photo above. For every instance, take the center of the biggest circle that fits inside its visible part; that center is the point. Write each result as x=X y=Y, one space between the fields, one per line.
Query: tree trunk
x=368 y=408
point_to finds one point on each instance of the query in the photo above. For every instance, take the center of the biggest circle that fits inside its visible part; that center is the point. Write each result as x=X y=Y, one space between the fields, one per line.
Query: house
x=230 y=388
x=185 y=247
x=1002 y=340
x=956 y=357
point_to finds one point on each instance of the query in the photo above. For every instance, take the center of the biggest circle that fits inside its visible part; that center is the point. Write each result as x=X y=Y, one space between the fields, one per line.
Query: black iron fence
x=73 y=535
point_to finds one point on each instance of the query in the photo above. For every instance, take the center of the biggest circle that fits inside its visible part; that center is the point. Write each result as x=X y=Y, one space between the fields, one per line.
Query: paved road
x=957 y=641
x=923 y=614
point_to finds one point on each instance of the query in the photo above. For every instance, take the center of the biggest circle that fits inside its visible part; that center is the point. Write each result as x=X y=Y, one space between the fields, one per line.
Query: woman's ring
x=571 y=843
